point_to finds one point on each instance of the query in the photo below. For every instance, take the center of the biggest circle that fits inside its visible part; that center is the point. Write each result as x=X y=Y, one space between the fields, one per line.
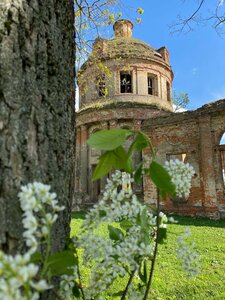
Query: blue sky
x=197 y=57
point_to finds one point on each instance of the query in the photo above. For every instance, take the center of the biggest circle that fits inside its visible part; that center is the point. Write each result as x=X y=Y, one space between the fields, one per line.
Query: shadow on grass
x=182 y=220
x=199 y=221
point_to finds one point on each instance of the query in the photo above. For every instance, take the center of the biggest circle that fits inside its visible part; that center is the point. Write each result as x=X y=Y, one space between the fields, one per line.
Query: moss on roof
x=121 y=47
x=128 y=47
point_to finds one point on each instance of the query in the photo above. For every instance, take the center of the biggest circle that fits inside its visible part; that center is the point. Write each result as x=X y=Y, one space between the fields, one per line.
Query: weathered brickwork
x=192 y=136
x=195 y=134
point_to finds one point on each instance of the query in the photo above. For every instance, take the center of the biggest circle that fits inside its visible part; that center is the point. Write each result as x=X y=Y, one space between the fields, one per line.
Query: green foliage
x=140 y=11
x=61 y=263
x=161 y=179
x=140 y=142
x=91 y=18
x=170 y=281
x=115 y=234
x=143 y=272
x=180 y=101
x=115 y=156
x=108 y=139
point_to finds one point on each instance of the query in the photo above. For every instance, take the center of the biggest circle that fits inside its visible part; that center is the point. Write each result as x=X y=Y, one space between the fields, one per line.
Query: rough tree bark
x=36 y=108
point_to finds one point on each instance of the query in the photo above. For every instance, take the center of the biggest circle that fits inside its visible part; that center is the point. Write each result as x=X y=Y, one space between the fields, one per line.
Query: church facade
x=126 y=83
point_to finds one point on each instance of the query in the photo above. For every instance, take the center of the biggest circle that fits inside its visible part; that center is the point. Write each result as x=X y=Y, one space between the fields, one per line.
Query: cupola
x=125 y=69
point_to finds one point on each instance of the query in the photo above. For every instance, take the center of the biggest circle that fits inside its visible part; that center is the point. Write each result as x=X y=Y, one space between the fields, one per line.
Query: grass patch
x=170 y=281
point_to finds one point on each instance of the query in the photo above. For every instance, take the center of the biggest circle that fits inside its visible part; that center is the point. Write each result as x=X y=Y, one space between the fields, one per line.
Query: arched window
x=125 y=82
x=101 y=87
x=168 y=91
x=152 y=85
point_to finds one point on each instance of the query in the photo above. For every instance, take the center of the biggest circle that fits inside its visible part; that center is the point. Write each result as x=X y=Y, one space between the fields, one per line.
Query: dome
x=126 y=69
x=124 y=48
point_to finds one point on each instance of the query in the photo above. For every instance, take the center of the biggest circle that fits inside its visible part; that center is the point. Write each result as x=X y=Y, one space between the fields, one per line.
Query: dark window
x=125 y=82
x=168 y=91
x=101 y=86
x=152 y=85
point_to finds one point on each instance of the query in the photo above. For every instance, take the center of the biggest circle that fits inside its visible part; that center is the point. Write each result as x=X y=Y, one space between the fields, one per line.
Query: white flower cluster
x=67 y=283
x=187 y=254
x=17 y=278
x=118 y=202
x=181 y=175
x=109 y=258
x=17 y=273
x=40 y=212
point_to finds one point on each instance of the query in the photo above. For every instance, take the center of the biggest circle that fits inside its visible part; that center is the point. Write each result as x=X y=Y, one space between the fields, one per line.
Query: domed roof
x=123 y=45
x=124 y=48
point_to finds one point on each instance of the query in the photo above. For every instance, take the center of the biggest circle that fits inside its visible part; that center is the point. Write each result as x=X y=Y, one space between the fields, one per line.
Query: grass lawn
x=170 y=281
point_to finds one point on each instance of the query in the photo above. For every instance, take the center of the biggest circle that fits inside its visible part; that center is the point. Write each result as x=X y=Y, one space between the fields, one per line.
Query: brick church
x=126 y=83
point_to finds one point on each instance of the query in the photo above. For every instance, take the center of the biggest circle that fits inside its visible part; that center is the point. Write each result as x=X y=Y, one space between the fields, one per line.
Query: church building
x=126 y=83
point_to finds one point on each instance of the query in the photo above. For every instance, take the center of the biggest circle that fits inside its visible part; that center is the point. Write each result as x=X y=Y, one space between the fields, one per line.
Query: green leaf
x=162 y=235
x=76 y=291
x=138 y=173
x=161 y=179
x=108 y=139
x=36 y=257
x=58 y=263
x=102 y=213
x=115 y=234
x=126 y=225
x=119 y=160
x=118 y=294
x=140 y=142
x=103 y=166
x=144 y=276
x=140 y=11
x=143 y=218
x=116 y=158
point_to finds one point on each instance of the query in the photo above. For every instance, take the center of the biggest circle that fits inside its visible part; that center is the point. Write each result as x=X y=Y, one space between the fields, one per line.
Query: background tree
x=180 y=101
x=212 y=12
x=92 y=18
x=36 y=109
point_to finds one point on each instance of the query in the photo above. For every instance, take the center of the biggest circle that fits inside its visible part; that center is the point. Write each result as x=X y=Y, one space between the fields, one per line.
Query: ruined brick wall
x=90 y=120
x=196 y=135
x=193 y=135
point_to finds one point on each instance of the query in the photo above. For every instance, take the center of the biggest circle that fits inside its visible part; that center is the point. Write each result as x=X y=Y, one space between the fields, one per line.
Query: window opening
x=168 y=91
x=125 y=82
x=150 y=86
x=101 y=85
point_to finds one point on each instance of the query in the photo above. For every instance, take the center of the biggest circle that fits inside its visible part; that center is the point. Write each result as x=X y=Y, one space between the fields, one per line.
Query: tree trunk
x=36 y=109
